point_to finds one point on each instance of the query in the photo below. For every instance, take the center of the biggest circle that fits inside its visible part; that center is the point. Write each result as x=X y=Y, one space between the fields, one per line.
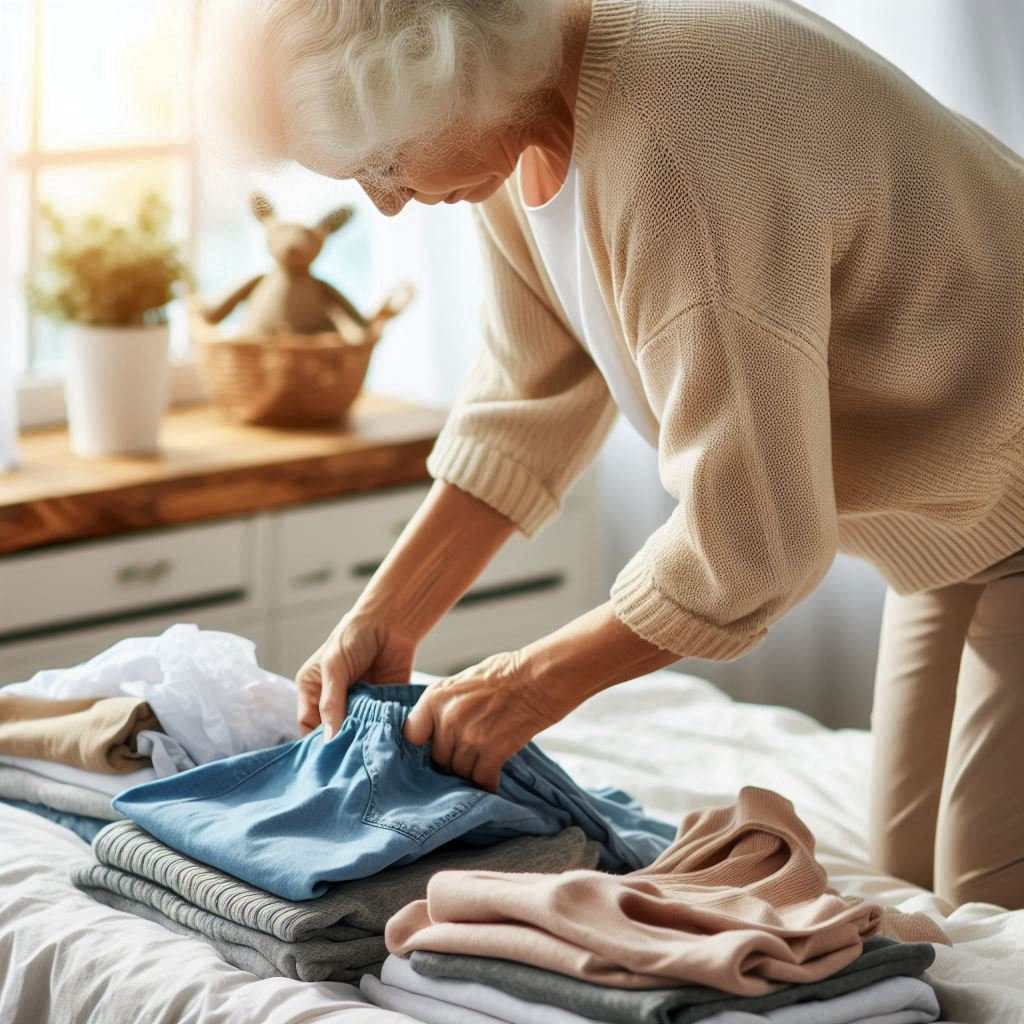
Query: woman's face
x=449 y=173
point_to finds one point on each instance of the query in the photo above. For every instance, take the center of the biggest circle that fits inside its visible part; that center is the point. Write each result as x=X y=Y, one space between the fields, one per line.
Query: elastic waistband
x=389 y=704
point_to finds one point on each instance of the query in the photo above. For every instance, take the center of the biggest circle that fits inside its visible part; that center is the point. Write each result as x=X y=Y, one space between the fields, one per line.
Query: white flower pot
x=116 y=388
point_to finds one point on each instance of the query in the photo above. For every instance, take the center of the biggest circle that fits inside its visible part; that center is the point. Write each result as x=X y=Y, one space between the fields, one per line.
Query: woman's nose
x=389 y=201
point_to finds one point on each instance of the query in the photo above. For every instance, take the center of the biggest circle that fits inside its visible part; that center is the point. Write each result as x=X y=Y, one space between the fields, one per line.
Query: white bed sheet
x=673 y=741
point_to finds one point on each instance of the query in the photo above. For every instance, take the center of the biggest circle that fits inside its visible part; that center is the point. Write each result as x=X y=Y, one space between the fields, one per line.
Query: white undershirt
x=557 y=226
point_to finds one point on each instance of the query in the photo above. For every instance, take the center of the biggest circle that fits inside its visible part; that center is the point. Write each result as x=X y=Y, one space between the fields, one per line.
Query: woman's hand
x=362 y=646
x=479 y=718
x=444 y=547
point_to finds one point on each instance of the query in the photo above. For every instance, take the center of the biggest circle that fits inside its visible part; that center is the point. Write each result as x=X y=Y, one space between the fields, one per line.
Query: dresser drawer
x=486 y=624
x=20 y=660
x=333 y=548
x=89 y=582
x=469 y=633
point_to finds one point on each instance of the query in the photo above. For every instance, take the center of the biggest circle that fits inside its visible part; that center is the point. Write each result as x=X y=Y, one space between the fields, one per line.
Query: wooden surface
x=208 y=468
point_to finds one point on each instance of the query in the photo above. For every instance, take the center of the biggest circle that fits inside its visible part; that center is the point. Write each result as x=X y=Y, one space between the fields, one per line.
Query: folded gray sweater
x=682 y=1004
x=340 y=958
x=336 y=937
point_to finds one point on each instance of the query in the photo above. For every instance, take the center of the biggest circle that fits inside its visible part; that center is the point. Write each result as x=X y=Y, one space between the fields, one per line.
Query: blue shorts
x=294 y=818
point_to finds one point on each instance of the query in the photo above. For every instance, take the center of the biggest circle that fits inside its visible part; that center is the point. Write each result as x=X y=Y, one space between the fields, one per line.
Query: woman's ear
x=261 y=206
x=335 y=219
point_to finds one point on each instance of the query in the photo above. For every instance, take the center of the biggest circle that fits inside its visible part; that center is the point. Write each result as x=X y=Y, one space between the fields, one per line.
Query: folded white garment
x=30 y=788
x=205 y=687
x=398 y=973
x=421 y=1008
x=892 y=1001
x=96 y=781
x=167 y=755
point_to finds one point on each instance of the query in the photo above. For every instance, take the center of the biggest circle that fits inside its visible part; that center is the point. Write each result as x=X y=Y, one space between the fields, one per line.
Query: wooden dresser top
x=208 y=468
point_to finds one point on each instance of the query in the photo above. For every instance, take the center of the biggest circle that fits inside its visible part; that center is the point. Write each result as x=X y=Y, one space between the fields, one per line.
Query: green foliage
x=97 y=271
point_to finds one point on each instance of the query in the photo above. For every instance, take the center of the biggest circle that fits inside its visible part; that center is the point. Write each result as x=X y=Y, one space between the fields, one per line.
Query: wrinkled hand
x=361 y=647
x=479 y=718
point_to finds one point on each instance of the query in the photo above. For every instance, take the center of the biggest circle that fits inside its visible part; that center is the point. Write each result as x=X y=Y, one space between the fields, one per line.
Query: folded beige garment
x=96 y=734
x=738 y=902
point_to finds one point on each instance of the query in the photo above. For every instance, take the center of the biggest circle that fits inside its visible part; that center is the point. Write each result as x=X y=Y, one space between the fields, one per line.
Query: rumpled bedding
x=673 y=741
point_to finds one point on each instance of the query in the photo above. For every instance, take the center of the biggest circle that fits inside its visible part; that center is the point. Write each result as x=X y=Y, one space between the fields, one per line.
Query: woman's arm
x=481 y=717
x=745 y=449
x=531 y=414
x=446 y=545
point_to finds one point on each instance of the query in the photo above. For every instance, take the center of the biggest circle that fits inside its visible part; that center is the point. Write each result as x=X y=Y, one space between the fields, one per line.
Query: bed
x=673 y=741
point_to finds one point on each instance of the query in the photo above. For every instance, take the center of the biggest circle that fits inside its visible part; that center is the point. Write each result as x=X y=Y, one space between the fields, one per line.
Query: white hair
x=341 y=85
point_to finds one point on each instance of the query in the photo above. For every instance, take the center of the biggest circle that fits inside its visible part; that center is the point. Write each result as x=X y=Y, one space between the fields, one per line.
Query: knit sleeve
x=745 y=449
x=533 y=410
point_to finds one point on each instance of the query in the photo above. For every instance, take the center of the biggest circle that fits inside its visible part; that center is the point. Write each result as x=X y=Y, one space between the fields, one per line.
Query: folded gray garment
x=365 y=904
x=684 y=1004
x=337 y=937
x=339 y=959
x=21 y=784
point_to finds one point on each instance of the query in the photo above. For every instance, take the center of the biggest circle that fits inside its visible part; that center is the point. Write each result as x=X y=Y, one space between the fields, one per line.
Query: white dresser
x=282 y=578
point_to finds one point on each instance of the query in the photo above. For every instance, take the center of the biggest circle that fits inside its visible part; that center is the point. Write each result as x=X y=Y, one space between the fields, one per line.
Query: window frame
x=40 y=398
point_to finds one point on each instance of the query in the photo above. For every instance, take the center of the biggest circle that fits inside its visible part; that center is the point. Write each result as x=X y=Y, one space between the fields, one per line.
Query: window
x=102 y=110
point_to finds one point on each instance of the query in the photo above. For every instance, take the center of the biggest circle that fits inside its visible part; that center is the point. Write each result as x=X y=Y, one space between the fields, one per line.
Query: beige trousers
x=947 y=788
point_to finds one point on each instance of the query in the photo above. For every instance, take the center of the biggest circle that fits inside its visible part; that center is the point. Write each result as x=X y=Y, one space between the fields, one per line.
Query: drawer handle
x=501 y=591
x=314 y=578
x=144 y=572
x=364 y=570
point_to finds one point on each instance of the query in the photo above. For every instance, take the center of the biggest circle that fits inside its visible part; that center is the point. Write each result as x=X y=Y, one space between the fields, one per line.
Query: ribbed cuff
x=649 y=613
x=495 y=478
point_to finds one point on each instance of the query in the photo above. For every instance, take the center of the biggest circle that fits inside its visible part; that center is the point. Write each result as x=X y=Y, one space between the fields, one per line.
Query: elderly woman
x=798 y=275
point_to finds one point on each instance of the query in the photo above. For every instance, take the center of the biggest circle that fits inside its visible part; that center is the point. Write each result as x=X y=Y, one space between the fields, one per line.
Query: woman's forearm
x=447 y=544
x=589 y=654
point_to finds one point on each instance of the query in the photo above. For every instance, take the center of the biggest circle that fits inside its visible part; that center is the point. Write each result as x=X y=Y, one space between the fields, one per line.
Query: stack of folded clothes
x=733 y=923
x=337 y=936
x=44 y=741
x=291 y=859
x=149 y=707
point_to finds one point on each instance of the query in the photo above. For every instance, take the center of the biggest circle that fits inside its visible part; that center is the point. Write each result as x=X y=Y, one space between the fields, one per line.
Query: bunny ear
x=261 y=206
x=335 y=219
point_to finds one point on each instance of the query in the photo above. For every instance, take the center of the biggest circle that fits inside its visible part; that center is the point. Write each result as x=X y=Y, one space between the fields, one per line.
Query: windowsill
x=41 y=399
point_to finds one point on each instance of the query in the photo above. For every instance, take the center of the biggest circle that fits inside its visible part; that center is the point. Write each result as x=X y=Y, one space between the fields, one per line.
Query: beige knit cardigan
x=818 y=274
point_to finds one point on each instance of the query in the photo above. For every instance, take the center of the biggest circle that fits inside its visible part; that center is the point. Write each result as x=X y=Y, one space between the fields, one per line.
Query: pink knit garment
x=738 y=902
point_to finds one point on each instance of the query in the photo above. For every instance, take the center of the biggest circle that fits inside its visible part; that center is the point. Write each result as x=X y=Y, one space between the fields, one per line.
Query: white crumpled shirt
x=206 y=688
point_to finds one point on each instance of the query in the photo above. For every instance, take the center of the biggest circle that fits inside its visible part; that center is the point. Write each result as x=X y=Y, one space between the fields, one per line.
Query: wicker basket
x=286 y=380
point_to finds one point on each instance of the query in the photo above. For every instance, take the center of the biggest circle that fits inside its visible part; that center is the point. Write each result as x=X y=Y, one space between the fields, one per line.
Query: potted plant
x=110 y=283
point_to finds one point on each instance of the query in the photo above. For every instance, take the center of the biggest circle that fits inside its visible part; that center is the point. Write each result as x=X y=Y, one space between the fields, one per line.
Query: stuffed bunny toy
x=289 y=299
